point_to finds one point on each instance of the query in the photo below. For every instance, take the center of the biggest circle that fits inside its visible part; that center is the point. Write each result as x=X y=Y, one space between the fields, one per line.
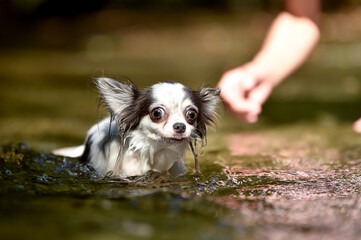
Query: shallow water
x=275 y=187
x=294 y=175
x=48 y=196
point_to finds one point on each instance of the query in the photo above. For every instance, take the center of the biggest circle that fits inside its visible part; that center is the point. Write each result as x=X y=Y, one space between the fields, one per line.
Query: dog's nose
x=179 y=127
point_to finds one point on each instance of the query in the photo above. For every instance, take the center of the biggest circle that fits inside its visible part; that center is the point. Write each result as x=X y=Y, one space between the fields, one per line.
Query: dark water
x=48 y=196
x=285 y=191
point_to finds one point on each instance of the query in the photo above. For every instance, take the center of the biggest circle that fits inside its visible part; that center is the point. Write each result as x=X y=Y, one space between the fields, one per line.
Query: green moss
x=220 y=192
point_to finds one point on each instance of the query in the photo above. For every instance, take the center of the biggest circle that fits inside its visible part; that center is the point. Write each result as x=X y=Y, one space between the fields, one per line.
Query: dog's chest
x=151 y=157
x=163 y=159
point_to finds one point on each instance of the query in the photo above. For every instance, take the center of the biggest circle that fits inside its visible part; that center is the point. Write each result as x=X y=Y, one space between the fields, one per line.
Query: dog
x=147 y=129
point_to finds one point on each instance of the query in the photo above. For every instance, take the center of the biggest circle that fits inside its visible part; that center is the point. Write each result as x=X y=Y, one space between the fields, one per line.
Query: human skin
x=357 y=126
x=290 y=39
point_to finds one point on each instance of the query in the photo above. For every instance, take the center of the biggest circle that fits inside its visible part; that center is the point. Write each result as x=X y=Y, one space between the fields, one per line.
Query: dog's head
x=166 y=111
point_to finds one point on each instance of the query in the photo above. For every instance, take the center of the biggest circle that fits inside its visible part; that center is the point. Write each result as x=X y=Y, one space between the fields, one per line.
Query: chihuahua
x=148 y=129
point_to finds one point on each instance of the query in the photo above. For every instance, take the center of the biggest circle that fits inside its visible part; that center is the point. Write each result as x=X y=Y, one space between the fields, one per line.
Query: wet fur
x=127 y=143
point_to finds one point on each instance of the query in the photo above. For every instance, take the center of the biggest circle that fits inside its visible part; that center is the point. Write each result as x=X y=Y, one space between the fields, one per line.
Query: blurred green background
x=52 y=49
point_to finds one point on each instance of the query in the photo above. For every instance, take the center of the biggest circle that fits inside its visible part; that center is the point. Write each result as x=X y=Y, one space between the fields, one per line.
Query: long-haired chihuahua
x=148 y=129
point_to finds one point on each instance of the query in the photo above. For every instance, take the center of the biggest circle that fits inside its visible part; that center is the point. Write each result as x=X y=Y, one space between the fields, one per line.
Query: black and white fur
x=148 y=129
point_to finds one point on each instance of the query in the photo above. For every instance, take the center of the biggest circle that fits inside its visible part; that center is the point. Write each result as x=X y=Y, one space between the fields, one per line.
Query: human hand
x=357 y=126
x=244 y=91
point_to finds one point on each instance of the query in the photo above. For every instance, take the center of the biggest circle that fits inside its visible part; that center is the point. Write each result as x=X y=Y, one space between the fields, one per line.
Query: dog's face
x=172 y=114
x=166 y=111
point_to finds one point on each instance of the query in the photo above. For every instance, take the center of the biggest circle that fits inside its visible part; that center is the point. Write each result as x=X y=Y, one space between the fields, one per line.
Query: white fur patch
x=73 y=152
x=147 y=143
x=136 y=155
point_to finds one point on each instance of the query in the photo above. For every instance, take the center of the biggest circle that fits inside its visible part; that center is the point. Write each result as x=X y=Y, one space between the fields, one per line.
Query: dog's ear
x=208 y=99
x=115 y=95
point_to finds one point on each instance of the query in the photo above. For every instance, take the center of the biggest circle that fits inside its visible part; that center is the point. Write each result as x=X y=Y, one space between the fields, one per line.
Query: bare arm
x=290 y=39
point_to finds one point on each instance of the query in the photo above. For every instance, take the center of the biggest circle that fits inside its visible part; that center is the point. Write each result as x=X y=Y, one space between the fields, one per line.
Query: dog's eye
x=157 y=114
x=191 y=115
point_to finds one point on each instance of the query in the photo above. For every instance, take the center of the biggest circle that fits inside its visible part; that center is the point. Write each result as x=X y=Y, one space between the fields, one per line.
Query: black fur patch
x=169 y=81
x=86 y=154
x=110 y=134
x=133 y=113
x=201 y=99
x=134 y=104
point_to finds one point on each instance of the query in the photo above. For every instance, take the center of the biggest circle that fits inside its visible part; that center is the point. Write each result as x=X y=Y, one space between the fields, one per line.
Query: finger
x=252 y=106
x=260 y=93
x=235 y=86
x=246 y=111
x=234 y=95
x=241 y=107
x=246 y=117
x=251 y=118
x=246 y=106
